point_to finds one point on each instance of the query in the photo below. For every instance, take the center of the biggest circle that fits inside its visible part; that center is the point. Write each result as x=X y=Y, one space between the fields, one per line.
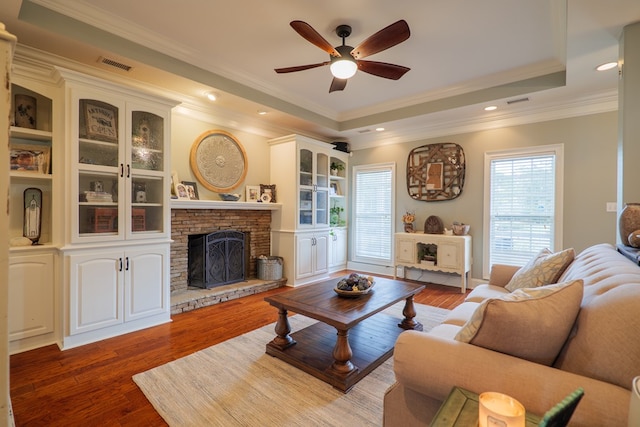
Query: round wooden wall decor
x=218 y=161
x=436 y=172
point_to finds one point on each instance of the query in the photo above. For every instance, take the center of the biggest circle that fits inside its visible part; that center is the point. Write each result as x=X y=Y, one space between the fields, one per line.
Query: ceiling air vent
x=515 y=101
x=364 y=131
x=114 y=63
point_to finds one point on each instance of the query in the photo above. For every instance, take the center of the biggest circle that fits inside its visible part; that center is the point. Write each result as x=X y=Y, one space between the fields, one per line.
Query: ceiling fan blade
x=337 y=84
x=383 y=69
x=300 y=67
x=311 y=35
x=384 y=39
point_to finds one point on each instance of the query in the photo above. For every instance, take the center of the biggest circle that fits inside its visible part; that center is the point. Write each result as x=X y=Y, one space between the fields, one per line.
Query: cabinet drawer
x=448 y=256
x=406 y=251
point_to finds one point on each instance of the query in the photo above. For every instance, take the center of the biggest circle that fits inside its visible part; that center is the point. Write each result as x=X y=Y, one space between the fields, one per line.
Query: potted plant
x=335 y=167
x=334 y=217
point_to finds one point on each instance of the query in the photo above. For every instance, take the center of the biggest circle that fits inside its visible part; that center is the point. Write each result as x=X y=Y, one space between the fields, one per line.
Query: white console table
x=453 y=253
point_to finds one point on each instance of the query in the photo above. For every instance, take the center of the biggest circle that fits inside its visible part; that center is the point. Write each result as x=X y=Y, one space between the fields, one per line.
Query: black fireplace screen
x=216 y=259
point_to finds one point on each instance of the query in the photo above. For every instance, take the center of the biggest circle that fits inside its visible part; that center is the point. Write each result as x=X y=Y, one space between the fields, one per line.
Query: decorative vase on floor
x=629 y=221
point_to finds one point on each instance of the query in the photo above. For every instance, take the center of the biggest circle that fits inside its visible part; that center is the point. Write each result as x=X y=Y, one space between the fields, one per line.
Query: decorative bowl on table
x=228 y=197
x=354 y=286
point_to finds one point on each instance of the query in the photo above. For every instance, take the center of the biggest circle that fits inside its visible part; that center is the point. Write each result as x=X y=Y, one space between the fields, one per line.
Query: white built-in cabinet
x=112 y=287
x=312 y=253
x=337 y=249
x=34 y=165
x=338 y=208
x=300 y=169
x=99 y=154
x=116 y=244
x=31 y=300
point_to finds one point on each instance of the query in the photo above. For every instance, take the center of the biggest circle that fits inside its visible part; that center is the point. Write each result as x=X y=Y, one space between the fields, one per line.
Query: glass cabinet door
x=322 y=206
x=313 y=195
x=322 y=189
x=306 y=168
x=99 y=168
x=322 y=170
x=147 y=141
x=121 y=171
x=146 y=153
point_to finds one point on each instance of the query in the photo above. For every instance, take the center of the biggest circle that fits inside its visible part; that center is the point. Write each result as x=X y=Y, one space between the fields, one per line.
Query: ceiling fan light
x=343 y=68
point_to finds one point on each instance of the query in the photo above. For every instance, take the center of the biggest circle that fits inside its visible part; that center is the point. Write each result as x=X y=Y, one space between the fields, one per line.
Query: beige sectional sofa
x=600 y=352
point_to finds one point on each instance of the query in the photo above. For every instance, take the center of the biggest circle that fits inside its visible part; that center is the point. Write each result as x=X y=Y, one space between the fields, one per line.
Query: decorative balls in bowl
x=228 y=197
x=354 y=285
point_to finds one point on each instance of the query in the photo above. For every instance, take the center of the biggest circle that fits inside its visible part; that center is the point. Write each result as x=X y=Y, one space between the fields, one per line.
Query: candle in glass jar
x=500 y=410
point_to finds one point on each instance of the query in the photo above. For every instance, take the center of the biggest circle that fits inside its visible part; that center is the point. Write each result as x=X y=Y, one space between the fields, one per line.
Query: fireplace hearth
x=217 y=258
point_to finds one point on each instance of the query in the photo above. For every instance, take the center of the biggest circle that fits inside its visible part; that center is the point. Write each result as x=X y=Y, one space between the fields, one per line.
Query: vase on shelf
x=629 y=221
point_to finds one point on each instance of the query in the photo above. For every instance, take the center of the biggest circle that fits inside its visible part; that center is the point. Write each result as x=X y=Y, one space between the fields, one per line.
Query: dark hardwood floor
x=92 y=386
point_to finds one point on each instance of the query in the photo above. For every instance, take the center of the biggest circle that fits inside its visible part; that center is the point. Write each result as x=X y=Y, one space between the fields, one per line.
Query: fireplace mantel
x=220 y=204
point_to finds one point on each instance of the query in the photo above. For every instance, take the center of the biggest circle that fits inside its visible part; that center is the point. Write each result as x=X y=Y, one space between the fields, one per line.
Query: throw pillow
x=531 y=324
x=544 y=269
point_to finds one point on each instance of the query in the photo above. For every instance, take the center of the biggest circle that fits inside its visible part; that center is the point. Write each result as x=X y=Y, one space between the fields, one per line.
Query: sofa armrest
x=501 y=274
x=431 y=366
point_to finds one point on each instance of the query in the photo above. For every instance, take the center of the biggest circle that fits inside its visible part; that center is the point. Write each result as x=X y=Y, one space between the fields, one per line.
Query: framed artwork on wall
x=436 y=172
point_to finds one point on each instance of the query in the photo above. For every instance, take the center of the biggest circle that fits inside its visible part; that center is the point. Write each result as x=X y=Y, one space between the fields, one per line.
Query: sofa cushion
x=484 y=291
x=544 y=269
x=604 y=343
x=531 y=323
x=461 y=314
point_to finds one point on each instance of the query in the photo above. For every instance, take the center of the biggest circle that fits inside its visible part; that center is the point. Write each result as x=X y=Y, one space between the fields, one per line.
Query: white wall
x=186 y=128
x=590 y=148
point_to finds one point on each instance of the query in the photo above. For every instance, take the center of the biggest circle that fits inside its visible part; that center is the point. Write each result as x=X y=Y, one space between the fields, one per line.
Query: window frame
x=554 y=149
x=391 y=167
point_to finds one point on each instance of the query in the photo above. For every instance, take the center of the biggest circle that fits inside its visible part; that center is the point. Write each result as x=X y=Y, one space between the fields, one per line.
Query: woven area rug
x=235 y=383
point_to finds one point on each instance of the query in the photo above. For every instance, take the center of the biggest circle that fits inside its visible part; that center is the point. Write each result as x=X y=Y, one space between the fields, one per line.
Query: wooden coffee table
x=348 y=342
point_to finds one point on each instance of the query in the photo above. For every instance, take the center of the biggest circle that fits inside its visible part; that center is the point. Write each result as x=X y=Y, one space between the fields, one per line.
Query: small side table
x=461 y=410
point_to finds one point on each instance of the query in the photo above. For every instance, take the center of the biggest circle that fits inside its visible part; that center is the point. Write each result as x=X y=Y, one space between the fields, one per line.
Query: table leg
x=409 y=313
x=342 y=355
x=463 y=287
x=282 y=340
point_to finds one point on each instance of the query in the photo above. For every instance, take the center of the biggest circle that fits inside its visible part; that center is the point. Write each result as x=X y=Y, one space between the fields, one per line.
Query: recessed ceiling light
x=211 y=96
x=606 y=66
x=379 y=129
x=491 y=108
x=262 y=112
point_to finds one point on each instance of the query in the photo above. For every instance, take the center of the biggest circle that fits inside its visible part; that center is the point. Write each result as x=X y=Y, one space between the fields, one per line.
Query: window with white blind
x=523 y=209
x=373 y=213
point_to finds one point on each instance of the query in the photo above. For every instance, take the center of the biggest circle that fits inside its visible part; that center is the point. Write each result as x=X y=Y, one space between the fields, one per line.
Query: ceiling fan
x=346 y=60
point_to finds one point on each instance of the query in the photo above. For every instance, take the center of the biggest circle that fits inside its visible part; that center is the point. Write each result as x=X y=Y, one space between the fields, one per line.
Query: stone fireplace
x=186 y=222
